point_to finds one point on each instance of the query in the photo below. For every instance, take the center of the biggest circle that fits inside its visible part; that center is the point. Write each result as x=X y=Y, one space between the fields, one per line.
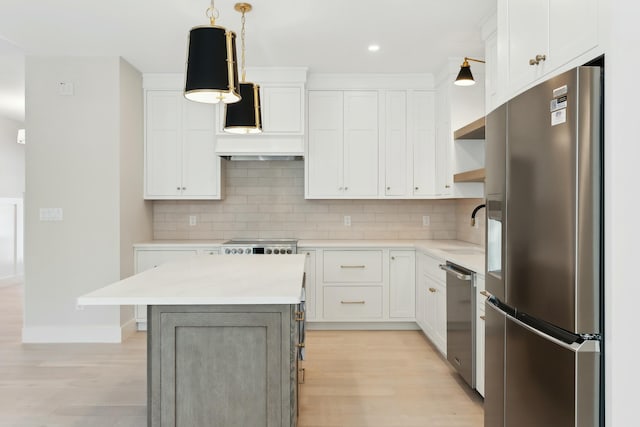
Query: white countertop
x=205 y=280
x=171 y=243
x=465 y=254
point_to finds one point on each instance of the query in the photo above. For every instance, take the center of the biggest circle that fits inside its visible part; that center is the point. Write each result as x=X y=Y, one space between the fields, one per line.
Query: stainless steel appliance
x=259 y=247
x=461 y=326
x=544 y=255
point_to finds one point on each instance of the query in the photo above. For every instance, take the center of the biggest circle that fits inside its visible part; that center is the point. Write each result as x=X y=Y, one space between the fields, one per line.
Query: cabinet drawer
x=431 y=266
x=352 y=302
x=353 y=266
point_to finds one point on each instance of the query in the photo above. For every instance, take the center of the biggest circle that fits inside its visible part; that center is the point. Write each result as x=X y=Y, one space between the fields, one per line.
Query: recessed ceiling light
x=374 y=48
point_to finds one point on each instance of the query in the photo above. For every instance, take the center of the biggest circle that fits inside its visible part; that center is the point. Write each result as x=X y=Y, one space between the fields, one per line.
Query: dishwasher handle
x=458 y=274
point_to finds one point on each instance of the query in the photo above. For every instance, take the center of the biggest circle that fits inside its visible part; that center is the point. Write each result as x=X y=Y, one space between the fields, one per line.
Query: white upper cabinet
x=282 y=108
x=545 y=37
x=342 y=153
x=409 y=145
x=180 y=159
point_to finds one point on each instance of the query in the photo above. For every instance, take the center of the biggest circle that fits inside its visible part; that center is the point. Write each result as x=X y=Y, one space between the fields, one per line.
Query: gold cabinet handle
x=351 y=302
x=485 y=294
x=482 y=317
x=538 y=59
x=432 y=290
x=300 y=345
x=352 y=266
x=299 y=316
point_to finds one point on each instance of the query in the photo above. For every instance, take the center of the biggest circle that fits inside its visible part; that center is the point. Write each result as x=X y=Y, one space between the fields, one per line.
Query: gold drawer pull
x=352 y=266
x=433 y=290
x=482 y=317
x=300 y=345
x=351 y=302
x=299 y=316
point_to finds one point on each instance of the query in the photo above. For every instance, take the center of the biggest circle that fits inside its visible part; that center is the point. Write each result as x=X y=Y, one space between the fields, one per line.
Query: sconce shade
x=212 y=66
x=245 y=116
x=465 y=78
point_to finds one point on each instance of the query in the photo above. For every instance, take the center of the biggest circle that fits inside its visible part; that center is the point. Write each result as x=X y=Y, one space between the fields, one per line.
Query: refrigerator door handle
x=461 y=276
x=575 y=347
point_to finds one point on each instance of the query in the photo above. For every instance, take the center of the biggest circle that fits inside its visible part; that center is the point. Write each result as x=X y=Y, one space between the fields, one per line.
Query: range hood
x=260 y=147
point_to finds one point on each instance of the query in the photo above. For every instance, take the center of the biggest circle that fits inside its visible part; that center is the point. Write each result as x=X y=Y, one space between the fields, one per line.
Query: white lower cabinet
x=480 y=311
x=352 y=302
x=147 y=257
x=431 y=300
x=402 y=284
x=364 y=285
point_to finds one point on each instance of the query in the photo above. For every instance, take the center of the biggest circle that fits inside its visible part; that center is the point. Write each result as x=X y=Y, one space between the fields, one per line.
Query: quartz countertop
x=465 y=254
x=207 y=280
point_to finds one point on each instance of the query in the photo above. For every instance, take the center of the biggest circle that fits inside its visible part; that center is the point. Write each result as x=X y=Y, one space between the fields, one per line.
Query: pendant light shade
x=465 y=78
x=244 y=116
x=212 y=64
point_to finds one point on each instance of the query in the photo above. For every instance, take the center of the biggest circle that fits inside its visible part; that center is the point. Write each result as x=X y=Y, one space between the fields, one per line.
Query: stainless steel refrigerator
x=543 y=360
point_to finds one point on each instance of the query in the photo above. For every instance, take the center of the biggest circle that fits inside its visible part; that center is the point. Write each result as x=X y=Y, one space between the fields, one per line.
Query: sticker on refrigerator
x=558 y=103
x=558 y=116
x=559 y=91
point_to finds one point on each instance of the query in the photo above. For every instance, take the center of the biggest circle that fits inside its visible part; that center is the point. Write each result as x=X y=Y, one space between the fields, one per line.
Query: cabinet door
x=395 y=144
x=402 y=280
x=444 y=139
x=200 y=166
x=480 y=348
x=324 y=159
x=361 y=144
x=573 y=29
x=281 y=109
x=528 y=36
x=163 y=143
x=440 y=316
x=423 y=141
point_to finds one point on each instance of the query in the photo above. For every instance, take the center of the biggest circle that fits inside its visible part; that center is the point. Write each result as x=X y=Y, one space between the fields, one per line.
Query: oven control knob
x=268 y=251
x=276 y=251
x=282 y=252
x=234 y=251
x=240 y=251
x=289 y=251
x=227 y=251
x=248 y=251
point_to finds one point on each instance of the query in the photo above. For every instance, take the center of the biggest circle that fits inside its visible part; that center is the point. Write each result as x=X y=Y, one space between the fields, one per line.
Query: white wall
x=622 y=233
x=74 y=163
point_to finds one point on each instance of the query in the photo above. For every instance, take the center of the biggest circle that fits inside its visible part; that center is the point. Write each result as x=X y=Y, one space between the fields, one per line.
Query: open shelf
x=474 y=130
x=470 y=176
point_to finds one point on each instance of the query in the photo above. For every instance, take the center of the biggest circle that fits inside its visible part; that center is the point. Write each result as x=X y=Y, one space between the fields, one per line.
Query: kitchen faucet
x=475 y=211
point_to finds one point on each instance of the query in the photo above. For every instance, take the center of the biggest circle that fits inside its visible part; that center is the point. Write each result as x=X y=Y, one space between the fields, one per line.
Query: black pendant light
x=245 y=116
x=212 y=64
x=465 y=78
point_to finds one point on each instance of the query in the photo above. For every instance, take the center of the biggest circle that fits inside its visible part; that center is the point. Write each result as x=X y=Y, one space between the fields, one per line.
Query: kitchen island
x=223 y=338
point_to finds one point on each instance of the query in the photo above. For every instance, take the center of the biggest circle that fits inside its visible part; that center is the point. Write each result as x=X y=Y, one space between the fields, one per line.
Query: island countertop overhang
x=209 y=280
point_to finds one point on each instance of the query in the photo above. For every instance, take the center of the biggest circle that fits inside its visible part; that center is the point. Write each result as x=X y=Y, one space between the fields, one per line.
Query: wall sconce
x=212 y=64
x=245 y=116
x=465 y=78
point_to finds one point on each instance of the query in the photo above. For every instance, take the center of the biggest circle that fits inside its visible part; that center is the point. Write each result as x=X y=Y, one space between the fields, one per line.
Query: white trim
x=400 y=81
x=78 y=334
x=362 y=326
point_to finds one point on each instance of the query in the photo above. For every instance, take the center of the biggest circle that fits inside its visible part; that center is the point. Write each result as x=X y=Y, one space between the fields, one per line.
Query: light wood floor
x=353 y=378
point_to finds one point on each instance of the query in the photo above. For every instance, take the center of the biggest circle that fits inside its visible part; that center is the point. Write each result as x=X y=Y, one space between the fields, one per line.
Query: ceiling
x=415 y=36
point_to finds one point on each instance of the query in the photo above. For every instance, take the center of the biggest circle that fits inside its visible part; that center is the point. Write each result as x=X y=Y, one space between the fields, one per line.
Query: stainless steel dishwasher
x=461 y=337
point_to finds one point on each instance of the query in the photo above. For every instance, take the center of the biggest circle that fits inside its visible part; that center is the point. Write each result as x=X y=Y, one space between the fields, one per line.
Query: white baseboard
x=77 y=334
x=361 y=326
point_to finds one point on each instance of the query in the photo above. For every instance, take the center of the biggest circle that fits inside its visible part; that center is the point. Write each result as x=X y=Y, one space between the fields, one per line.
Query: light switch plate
x=50 y=214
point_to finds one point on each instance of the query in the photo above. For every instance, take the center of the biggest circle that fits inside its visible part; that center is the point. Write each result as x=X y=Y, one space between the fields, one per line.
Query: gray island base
x=223 y=338
x=222 y=366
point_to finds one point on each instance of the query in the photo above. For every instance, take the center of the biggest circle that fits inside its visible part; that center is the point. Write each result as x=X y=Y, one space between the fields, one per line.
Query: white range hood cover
x=259 y=145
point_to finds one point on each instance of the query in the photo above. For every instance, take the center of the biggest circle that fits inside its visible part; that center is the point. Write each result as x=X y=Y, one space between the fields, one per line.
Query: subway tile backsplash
x=266 y=200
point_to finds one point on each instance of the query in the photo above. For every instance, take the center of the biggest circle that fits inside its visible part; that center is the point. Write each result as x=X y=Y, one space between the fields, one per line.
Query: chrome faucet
x=475 y=211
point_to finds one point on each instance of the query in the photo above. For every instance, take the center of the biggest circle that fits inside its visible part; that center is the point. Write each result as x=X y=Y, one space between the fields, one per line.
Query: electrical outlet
x=347 y=221
x=426 y=220
x=192 y=220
